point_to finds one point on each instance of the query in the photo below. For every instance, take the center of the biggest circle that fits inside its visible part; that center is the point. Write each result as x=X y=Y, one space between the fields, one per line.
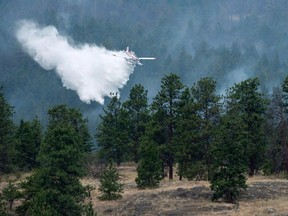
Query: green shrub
x=109 y=184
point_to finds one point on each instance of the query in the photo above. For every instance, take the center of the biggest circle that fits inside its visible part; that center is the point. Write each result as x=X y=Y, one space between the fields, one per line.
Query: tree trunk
x=170 y=165
x=171 y=171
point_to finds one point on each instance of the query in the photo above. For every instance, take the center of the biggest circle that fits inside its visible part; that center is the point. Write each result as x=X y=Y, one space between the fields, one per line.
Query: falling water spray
x=92 y=71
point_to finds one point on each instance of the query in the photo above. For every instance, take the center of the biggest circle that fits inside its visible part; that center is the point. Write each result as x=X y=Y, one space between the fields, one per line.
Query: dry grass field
x=264 y=196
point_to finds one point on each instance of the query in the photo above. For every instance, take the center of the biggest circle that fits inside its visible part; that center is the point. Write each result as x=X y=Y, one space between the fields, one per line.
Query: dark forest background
x=230 y=40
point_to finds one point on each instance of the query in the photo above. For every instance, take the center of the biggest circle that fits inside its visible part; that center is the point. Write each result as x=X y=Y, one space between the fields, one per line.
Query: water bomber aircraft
x=132 y=58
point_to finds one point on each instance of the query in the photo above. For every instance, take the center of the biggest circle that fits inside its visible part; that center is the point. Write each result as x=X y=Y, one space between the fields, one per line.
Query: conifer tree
x=285 y=96
x=250 y=105
x=7 y=134
x=29 y=137
x=110 y=187
x=10 y=193
x=3 y=209
x=277 y=131
x=55 y=188
x=208 y=109
x=285 y=92
x=165 y=108
x=138 y=116
x=277 y=135
x=229 y=165
x=149 y=170
x=283 y=127
x=112 y=132
x=189 y=152
x=74 y=118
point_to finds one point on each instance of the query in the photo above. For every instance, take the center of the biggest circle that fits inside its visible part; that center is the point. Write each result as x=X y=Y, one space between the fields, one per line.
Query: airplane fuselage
x=131 y=57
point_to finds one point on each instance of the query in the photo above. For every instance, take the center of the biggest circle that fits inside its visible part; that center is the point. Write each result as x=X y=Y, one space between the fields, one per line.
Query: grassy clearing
x=175 y=197
x=163 y=202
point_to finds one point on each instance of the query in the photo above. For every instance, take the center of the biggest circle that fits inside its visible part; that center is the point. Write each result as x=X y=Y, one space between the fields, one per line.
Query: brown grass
x=168 y=200
x=164 y=204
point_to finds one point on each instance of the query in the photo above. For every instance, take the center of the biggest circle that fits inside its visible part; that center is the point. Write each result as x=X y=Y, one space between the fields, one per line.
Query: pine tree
x=244 y=98
x=283 y=127
x=29 y=137
x=138 y=116
x=3 y=209
x=73 y=117
x=189 y=152
x=89 y=211
x=208 y=109
x=277 y=136
x=109 y=184
x=55 y=188
x=285 y=90
x=112 y=132
x=10 y=193
x=228 y=167
x=285 y=96
x=277 y=131
x=165 y=108
x=7 y=134
x=149 y=170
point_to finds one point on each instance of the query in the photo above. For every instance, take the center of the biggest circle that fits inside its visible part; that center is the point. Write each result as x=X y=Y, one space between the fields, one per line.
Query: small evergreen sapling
x=10 y=193
x=150 y=166
x=109 y=184
x=3 y=209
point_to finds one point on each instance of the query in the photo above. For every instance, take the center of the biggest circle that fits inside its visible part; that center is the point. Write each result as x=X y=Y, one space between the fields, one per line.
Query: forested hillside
x=230 y=40
x=213 y=106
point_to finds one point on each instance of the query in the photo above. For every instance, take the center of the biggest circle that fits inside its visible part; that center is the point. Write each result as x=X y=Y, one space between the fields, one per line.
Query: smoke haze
x=229 y=40
x=236 y=76
x=92 y=71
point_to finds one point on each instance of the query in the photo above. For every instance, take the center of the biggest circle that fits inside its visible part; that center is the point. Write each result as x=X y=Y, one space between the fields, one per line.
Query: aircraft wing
x=147 y=58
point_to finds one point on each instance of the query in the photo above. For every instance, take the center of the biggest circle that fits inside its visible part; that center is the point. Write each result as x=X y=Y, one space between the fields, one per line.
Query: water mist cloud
x=92 y=71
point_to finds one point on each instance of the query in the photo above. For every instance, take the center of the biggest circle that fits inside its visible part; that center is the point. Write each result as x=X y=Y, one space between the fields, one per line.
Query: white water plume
x=93 y=72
